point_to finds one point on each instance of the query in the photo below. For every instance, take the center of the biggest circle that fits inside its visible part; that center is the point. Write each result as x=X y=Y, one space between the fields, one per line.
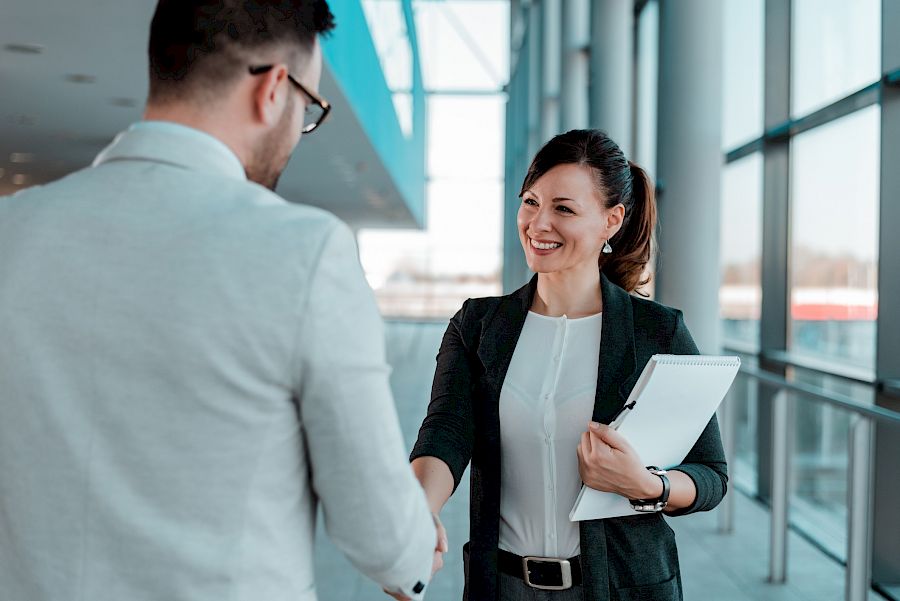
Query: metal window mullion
x=885 y=543
x=776 y=218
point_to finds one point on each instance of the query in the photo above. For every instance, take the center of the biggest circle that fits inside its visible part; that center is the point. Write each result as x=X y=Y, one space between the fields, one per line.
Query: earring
x=607 y=248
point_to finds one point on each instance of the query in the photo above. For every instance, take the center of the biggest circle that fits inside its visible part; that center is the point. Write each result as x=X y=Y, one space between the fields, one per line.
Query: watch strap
x=659 y=503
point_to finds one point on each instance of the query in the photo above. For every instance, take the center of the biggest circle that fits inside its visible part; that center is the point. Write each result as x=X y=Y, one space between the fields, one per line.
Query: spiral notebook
x=674 y=398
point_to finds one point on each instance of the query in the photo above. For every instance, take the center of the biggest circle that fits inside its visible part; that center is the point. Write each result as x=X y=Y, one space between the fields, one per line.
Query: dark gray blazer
x=629 y=558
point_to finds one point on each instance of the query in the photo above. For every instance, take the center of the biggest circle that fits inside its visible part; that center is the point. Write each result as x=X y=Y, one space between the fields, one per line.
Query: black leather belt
x=546 y=573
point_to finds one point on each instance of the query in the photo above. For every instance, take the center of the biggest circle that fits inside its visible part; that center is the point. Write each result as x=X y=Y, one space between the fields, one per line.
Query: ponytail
x=627 y=264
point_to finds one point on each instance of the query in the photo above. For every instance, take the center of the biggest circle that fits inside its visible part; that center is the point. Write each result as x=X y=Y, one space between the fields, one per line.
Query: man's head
x=206 y=70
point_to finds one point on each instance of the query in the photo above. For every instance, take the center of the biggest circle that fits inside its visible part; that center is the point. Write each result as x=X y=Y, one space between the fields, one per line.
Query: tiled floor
x=714 y=566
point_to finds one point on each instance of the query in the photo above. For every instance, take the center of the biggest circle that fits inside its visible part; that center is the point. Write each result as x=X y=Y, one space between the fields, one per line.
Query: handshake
x=441 y=546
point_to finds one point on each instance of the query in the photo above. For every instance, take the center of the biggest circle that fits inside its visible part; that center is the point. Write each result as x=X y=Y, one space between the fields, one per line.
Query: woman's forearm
x=436 y=479
x=682 y=490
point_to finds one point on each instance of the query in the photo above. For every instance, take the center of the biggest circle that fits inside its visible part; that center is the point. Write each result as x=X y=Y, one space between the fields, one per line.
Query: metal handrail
x=860 y=477
x=838 y=400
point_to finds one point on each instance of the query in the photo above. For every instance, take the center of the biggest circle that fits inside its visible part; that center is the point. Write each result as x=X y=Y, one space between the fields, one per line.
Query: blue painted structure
x=351 y=55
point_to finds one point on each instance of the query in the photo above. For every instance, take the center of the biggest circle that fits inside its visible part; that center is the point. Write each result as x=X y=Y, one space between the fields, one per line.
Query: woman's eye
x=565 y=209
x=530 y=201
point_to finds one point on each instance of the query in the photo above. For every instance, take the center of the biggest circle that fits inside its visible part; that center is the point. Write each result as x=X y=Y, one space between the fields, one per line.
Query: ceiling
x=73 y=74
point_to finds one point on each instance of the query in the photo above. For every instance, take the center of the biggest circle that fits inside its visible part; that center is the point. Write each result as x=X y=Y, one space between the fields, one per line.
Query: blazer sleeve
x=448 y=430
x=705 y=463
x=375 y=511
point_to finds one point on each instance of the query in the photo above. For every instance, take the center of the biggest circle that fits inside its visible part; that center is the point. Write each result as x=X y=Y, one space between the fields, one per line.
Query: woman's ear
x=614 y=218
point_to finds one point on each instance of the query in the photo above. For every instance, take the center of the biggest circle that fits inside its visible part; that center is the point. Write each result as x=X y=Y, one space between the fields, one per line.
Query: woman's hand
x=607 y=462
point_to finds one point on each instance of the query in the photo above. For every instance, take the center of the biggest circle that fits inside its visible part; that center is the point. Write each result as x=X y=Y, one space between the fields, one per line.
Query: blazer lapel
x=501 y=334
x=617 y=374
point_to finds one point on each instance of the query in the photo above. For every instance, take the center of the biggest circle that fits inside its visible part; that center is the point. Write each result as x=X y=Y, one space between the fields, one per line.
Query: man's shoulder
x=258 y=199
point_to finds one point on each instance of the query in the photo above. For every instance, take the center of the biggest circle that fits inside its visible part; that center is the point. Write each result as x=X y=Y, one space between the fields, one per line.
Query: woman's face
x=562 y=221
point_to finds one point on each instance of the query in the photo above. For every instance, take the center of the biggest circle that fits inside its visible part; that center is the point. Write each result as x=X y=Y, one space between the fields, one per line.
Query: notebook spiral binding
x=697 y=360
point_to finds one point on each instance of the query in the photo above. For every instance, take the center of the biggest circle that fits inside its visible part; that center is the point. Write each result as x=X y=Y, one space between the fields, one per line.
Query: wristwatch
x=658 y=504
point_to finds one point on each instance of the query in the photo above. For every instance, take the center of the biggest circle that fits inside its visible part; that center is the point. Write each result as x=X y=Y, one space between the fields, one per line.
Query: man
x=188 y=363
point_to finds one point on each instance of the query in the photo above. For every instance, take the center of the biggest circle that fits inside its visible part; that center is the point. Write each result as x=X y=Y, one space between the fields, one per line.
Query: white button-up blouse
x=546 y=402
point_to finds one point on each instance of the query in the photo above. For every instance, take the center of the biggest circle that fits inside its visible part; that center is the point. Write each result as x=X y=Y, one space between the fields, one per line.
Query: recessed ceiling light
x=21 y=157
x=80 y=78
x=19 y=179
x=24 y=48
x=123 y=102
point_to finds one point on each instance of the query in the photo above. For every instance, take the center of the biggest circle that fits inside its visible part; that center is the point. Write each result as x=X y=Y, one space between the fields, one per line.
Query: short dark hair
x=201 y=45
x=619 y=181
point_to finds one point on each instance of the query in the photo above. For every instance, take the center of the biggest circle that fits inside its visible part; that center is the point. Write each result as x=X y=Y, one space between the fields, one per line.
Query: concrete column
x=611 y=89
x=575 y=65
x=690 y=161
x=551 y=46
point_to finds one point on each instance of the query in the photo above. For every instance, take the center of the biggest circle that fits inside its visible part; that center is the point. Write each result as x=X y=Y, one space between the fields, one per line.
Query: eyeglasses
x=316 y=111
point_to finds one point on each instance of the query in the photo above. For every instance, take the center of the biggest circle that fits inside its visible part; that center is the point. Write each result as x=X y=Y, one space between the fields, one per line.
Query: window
x=464 y=49
x=742 y=107
x=836 y=50
x=740 y=250
x=834 y=239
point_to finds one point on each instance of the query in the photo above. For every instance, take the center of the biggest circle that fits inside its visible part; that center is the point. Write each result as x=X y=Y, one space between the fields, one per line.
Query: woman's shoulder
x=652 y=312
x=475 y=309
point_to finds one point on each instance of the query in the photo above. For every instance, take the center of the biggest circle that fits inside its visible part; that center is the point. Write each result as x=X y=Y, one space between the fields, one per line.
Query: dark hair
x=619 y=181
x=202 y=45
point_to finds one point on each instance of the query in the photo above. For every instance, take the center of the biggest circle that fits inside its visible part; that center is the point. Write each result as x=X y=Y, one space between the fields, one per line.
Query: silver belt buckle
x=565 y=569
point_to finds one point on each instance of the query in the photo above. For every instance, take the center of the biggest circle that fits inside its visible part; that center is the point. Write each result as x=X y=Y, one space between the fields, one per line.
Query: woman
x=526 y=383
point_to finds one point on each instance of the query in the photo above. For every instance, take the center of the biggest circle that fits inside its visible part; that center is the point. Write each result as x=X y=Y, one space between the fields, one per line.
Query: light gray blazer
x=188 y=365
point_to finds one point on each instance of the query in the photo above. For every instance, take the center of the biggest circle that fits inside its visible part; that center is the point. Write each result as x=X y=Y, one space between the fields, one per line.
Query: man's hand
x=608 y=463
x=440 y=547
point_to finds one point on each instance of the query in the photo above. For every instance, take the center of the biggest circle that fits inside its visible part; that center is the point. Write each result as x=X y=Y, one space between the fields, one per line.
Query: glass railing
x=819 y=461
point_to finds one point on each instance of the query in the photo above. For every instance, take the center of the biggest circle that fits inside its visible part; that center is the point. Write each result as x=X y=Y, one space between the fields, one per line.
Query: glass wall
x=388 y=27
x=834 y=239
x=740 y=295
x=819 y=460
x=821 y=159
x=464 y=48
x=742 y=77
x=835 y=50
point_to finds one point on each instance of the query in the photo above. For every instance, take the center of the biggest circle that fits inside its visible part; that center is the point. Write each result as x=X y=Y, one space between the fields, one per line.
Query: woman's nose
x=541 y=222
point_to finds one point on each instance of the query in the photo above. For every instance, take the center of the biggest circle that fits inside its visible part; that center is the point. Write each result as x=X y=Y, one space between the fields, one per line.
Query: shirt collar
x=175 y=144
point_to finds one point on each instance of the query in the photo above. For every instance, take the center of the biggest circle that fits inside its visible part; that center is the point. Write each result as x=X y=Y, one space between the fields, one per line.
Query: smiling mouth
x=544 y=245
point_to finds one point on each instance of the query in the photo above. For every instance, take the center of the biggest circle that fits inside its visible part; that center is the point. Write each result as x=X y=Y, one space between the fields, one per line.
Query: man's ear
x=269 y=95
